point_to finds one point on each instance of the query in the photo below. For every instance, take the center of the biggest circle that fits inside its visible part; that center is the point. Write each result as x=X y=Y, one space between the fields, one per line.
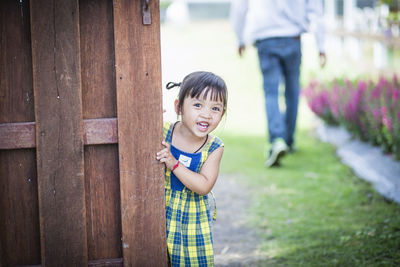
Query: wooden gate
x=80 y=123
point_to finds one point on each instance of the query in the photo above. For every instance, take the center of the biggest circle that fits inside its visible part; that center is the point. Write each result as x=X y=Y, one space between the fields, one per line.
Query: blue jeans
x=280 y=59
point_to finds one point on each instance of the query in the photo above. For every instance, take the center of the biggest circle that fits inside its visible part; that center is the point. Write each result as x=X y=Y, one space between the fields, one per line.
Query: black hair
x=195 y=83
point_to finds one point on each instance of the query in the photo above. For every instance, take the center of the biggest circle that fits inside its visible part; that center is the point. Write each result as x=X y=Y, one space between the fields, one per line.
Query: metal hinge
x=146 y=12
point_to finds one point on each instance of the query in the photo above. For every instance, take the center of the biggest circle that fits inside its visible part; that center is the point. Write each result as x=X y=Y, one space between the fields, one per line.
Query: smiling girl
x=192 y=158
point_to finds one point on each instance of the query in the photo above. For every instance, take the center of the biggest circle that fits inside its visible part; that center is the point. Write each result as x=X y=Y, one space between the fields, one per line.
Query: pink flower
x=382 y=82
x=370 y=109
x=362 y=86
x=376 y=93
x=387 y=122
x=395 y=95
x=376 y=114
x=383 y=111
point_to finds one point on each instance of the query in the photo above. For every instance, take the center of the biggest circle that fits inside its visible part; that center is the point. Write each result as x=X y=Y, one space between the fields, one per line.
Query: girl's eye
x=216 y=109
x=197 y=105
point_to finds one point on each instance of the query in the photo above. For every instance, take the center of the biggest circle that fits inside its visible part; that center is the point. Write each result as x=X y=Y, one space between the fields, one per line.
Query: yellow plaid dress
x=189 y=237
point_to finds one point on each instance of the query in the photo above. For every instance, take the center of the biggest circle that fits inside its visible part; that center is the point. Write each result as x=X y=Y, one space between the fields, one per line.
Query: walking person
x=192 y=158
x=275 y=27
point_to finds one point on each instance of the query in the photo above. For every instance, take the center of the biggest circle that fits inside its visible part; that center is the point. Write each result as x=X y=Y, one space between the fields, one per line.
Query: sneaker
x=279 y=149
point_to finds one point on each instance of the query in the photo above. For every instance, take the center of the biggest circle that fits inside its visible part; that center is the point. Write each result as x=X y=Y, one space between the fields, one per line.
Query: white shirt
x=254 y=20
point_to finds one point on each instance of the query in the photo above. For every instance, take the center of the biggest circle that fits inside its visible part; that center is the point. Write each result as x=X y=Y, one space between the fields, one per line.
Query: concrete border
x=367 y=161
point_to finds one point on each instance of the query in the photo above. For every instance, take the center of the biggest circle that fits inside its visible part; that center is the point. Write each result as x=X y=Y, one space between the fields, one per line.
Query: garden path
x=235 y=242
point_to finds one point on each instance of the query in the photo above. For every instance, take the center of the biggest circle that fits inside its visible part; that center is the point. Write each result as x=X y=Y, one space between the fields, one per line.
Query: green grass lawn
x=311 y=212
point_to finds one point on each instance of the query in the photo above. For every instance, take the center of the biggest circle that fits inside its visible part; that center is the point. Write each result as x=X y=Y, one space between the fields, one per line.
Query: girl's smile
x=203 y=126
x=201 y=115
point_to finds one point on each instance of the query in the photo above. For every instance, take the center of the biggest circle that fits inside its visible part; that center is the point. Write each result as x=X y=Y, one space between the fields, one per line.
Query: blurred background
x=363 y=39
x=314 y=211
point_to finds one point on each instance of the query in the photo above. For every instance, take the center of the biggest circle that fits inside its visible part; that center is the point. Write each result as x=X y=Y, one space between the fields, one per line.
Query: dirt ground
x=235 y=243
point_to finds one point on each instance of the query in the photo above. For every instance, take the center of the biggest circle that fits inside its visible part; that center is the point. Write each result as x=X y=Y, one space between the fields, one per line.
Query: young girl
x=192 y=157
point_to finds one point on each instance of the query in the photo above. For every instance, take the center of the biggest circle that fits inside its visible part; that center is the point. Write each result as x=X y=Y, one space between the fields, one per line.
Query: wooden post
x=138 y=75
x=59 y=136
x=19 y=212
x=99 y=105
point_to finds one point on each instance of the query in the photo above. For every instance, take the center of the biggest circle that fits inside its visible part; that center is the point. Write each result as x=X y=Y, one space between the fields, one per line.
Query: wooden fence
x=80 y=123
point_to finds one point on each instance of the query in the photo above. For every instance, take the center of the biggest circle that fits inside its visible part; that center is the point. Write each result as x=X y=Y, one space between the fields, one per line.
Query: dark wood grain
x=22 y=134
x=63 y=203
x=17 y=135
x=16 y=90
x=118 y=262
x=103 y=202
x=138 y=75
x=97 y=59
x=99 y=101
x=100 y=131
x=19 y=223
x=59 y=138
x=19 y=215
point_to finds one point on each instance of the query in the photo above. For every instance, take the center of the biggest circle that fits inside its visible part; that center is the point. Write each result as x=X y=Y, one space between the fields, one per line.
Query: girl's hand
x=165 y=156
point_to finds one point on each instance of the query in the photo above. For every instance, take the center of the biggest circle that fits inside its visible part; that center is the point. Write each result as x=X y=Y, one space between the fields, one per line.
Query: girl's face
x=200 y=116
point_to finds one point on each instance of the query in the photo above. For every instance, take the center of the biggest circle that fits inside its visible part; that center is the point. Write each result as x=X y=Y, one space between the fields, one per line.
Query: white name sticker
x=185 y=160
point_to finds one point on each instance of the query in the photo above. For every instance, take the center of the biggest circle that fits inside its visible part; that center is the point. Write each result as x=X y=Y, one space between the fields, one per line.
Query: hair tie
x=171 y=85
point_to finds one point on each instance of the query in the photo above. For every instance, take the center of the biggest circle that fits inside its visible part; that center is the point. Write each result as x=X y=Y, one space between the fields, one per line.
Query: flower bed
x=369 y=110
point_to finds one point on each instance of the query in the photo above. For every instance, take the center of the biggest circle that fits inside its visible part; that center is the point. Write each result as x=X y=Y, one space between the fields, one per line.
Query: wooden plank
x=100 y=131
x=59 y=138
x=17 y=135
x=118 y=262
x=138 y=75
x=19 y=213
x=22 y=134
x=97 y=59
x=103 y=202
x=16 y=91
x=107 y=263
x=99 y=101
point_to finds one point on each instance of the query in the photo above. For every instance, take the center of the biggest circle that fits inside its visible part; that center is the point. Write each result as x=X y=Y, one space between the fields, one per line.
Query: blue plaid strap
x=214 y=144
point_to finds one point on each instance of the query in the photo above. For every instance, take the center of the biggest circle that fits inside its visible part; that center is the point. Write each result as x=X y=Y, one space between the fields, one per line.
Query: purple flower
x=368 y=109
x=395 y=95
x=377 y=115
x=362 y=86
x=382 y=82
x=383 y=111
x=388 y=123
x=376 y=93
